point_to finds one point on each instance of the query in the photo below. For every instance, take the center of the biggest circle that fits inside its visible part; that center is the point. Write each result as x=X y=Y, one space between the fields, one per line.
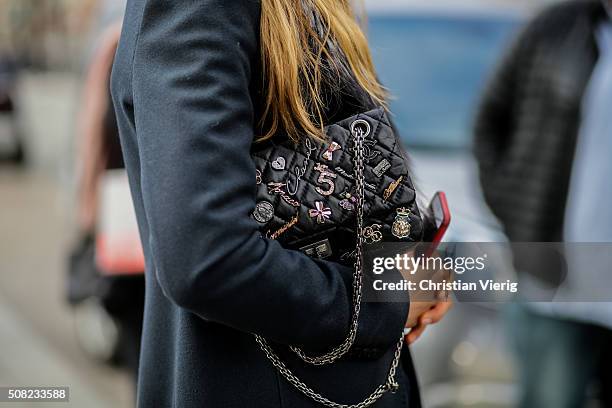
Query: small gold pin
x=284 y=228
x=392 y=187
x=401 y=227
x=372 y=234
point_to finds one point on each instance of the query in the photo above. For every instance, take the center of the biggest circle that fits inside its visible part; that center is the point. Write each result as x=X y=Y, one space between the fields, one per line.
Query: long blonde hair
x=293 y=51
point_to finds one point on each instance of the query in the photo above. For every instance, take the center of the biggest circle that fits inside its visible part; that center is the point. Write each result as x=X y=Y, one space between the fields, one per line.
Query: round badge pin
x=264 y=212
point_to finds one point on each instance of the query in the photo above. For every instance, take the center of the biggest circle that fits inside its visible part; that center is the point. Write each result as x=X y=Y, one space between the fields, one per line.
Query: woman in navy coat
x=195 y=82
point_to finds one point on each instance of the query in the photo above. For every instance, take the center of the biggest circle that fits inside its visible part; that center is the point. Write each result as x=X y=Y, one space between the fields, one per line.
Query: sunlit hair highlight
x=293 y=51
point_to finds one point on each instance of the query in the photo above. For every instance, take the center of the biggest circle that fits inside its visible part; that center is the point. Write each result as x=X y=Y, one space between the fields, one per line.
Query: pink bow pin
x=321 y=212
x=328 y=155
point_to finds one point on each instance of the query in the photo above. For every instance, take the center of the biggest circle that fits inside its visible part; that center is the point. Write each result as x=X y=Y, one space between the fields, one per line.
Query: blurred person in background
x=99 y=151
x=543 y=142
x=11 y=143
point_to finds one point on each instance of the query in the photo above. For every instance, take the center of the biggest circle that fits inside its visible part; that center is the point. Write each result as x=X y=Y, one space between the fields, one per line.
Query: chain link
x=359 y=135
x=390 y=384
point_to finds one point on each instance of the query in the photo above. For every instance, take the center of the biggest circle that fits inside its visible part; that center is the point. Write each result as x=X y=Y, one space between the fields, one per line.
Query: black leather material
x=279 y=162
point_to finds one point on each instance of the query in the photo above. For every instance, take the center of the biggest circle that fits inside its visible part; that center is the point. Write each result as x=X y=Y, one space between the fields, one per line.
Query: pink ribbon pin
x=328 y=155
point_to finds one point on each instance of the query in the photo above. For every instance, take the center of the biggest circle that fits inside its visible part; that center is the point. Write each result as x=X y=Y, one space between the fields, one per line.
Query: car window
x=436 y=68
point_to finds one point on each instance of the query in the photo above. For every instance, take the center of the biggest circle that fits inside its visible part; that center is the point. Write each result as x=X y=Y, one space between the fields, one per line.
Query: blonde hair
x=293 y=52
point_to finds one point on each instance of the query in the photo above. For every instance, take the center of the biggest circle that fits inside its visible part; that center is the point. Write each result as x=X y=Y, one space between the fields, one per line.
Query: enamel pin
x=326 y=178
x=401 y=226
x=329 y=153
x=372 y=234
x=382 y=167
x=349 y=201
x=320 y=212
x=392 y=187
x=264 y=212
x=279 y=163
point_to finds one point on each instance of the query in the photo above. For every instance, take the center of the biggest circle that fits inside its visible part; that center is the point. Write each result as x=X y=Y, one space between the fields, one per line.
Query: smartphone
x=441 y=217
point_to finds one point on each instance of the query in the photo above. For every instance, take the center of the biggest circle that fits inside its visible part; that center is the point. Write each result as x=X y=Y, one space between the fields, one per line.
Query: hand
x=417 y=309
x=427 y=306
x=431 y=316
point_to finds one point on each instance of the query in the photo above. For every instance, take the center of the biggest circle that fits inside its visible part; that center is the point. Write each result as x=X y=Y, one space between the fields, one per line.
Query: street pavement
x=38 y=346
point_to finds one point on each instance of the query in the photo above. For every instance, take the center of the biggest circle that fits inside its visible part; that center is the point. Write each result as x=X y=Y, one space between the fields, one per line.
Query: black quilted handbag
x=330 y=198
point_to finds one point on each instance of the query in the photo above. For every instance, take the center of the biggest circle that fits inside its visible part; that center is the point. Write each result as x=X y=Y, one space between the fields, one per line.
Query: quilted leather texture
x=302 y=209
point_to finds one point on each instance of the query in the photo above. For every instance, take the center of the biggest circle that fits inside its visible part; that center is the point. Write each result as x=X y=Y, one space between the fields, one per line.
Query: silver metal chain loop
x=390 y=383
x=360 y=129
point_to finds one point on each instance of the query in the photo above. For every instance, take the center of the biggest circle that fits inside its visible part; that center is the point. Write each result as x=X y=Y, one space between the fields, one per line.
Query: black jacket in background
x=528 y=123
x=186 y=88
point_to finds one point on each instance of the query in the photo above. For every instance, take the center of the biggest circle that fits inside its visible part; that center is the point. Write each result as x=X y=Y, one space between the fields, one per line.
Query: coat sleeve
x=494 y=125
x=495 y=122
x=194 y=121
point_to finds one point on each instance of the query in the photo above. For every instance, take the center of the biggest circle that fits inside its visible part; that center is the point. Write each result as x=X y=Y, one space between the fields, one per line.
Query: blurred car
x=436 y=58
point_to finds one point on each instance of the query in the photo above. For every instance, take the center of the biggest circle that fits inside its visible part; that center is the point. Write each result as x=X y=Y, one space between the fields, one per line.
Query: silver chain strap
x=360 y=129
x=389 y=385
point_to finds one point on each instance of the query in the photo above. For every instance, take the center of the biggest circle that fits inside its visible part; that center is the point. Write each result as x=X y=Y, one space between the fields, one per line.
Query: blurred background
x=64 y=322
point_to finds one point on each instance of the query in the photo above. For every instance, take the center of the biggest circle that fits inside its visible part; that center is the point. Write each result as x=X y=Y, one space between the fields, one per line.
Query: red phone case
x=446 y=218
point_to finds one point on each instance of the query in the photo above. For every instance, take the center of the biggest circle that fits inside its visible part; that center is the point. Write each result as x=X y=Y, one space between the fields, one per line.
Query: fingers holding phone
x=429 y=307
